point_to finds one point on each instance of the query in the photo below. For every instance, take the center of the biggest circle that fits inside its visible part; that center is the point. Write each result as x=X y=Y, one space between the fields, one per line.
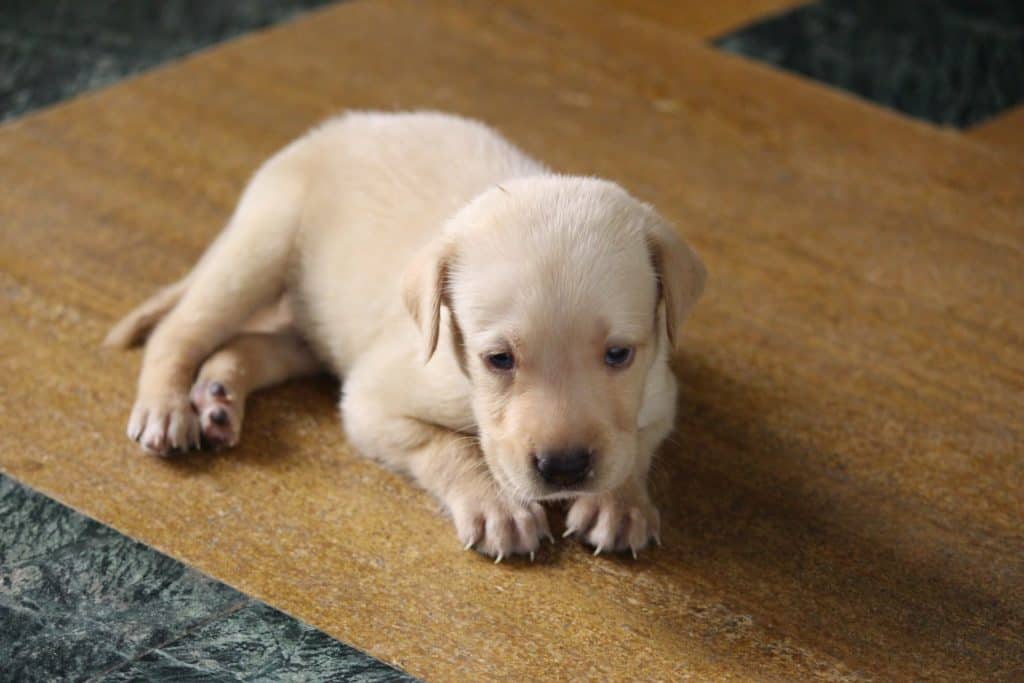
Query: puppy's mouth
x=597 y=479
x=537 y=490
x=540 y=484
x=549 y=491
x=567 y=493
x=531 y=489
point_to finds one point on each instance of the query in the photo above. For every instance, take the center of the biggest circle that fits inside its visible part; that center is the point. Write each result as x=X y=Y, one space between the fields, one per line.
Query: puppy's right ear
x=424 y=286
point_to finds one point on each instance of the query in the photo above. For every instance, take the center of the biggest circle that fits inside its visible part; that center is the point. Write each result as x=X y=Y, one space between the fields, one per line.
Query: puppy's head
x=562 y=293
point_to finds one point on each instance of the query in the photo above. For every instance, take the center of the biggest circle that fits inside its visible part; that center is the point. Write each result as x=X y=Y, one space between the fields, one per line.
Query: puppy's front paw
x=617 y=521
x=495 y=526
x=164 y=424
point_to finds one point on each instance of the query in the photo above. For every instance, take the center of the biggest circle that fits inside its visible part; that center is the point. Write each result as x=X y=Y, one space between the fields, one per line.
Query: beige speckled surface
x=843 y=495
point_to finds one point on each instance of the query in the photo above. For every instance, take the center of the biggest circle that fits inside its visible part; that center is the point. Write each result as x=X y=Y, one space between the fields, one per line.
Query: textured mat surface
x=697 y=18
x=1005 y=133
x=842 y=495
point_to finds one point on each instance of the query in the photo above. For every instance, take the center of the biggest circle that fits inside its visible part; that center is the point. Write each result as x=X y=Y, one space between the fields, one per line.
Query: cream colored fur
x=496 y=255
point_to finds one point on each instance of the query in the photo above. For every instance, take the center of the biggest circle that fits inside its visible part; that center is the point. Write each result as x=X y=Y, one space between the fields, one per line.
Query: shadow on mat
x=789 y=534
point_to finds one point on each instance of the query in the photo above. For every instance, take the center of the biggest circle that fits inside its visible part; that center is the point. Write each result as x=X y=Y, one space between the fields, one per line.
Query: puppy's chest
x=340 y=311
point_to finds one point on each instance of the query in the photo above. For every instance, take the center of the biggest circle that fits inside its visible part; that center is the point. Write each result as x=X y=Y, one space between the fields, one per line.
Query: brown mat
x=701 y=18
x=843 y=496
x=1004 y=133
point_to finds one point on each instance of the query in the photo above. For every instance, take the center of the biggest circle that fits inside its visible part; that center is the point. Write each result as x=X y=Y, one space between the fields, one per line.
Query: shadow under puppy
x=522 y=356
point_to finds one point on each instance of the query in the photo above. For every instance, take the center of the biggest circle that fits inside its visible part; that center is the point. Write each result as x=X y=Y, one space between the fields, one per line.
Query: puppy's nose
x=563 y=468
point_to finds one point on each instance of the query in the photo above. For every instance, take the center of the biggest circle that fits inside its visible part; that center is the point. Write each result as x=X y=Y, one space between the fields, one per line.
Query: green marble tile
x=80 y=601
x=53 y=49
x=954 y=62
x=255 y=643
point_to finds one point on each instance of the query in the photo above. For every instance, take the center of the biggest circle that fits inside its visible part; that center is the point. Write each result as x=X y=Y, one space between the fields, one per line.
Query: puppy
x=503 y=332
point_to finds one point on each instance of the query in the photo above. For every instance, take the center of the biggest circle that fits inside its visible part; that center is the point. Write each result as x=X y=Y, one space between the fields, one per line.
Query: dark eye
x=618 y=356
x=501 y=362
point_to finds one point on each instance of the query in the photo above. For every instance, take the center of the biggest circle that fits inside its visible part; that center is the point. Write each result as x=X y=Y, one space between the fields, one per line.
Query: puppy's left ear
x=680 y=272
x=423 y=290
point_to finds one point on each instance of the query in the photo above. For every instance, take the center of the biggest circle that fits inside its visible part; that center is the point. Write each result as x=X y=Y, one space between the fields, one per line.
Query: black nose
x=563 y=468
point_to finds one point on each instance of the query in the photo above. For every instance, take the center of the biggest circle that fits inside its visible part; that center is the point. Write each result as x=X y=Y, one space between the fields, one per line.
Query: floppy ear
x=423 y=289
x=680 y=272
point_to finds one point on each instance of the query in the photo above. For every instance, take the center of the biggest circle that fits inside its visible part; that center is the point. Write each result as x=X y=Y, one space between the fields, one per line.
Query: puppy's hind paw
x=219 y=414
x=164 y=425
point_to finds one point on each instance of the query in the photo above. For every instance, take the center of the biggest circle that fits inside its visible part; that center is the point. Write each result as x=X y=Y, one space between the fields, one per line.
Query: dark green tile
x=53 y=49
x=954 y=62
x=79 y=600
x=77 y=597
x=256 y=643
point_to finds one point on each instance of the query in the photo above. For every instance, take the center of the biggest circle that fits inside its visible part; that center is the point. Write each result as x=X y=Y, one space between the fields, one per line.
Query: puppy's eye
x=618 y=356
x=500 y=362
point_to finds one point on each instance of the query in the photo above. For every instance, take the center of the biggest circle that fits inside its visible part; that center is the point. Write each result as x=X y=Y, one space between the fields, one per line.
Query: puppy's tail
x=133 y=329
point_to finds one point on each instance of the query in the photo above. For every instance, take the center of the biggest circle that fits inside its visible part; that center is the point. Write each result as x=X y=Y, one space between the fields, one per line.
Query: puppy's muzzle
x=563 y=468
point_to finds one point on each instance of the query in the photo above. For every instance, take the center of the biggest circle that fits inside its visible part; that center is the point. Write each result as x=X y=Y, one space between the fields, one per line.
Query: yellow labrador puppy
x=521 y=357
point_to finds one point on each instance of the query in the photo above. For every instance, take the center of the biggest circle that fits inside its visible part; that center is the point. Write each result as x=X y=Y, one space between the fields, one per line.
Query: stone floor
x=78 y=599
x=954 y=62
x=54 y=49
x=848 y=492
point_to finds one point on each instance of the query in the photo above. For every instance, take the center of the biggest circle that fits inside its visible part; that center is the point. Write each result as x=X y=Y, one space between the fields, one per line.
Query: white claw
x=568 y=533
x=551 y=537
x=533 y=556
x=469 y=546
x=635 y=557
x=597 y=551
x=657 y=540
x=499 y=558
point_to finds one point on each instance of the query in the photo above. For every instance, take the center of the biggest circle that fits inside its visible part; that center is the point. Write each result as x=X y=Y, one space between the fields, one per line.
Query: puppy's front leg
x=446 y=463
x=452 y=468
x=623 y=518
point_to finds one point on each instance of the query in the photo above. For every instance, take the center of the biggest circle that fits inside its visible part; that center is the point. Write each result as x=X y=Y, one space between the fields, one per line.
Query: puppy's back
x=380 y=186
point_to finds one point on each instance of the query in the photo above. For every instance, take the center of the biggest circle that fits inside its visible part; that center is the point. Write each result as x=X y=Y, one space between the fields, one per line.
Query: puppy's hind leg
x=250 y=361
x=243 y=270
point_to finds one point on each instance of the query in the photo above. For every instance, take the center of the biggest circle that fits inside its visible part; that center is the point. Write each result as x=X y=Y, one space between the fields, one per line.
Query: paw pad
x=220 y=418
